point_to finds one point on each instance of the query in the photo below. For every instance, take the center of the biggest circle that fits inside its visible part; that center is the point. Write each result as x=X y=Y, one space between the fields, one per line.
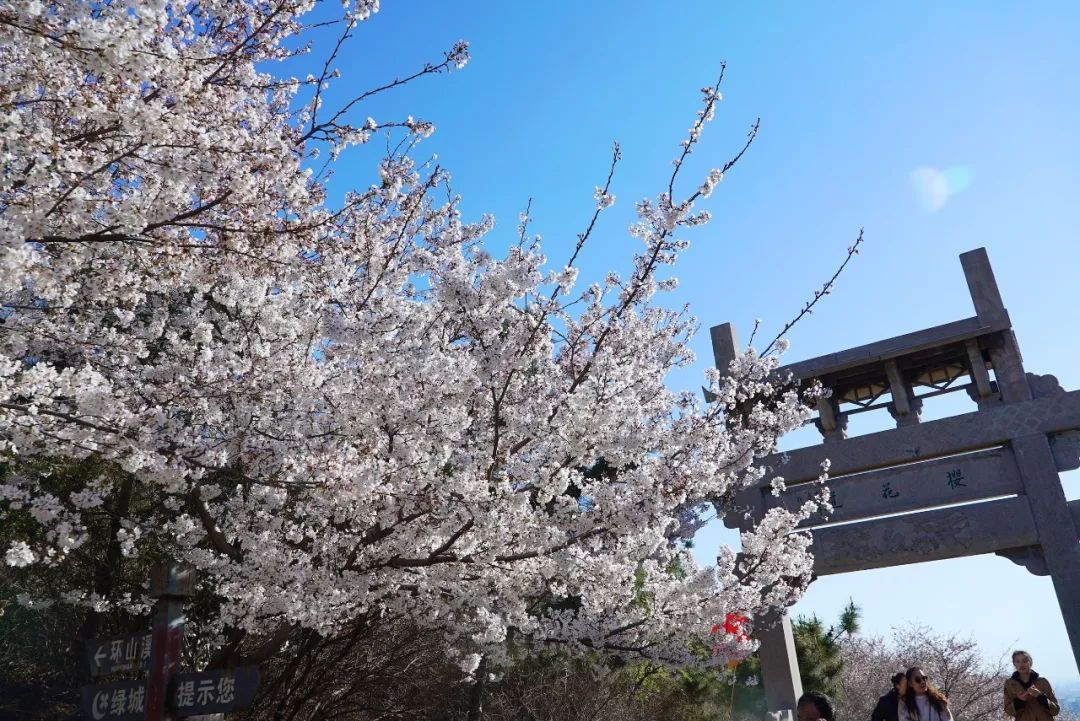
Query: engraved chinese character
x=205 y=692
x=131 y=649
x=185 y=693
x=226 y=689
x=116 y=650
x=118 y=702
x=146 y=641
x=834 y=499
x=887 y=491
x=955 y=478
x=137 y=700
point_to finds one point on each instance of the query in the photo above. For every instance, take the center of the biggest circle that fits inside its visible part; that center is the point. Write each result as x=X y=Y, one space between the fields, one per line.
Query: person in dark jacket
x=815 y=706
x=888 y=706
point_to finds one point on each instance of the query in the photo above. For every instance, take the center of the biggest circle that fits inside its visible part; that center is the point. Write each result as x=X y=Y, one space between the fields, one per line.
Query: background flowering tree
x=348 y=412
x=968 y=675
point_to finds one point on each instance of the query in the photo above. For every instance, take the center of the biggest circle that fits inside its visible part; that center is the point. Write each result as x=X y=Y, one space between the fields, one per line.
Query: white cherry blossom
x=348 y=409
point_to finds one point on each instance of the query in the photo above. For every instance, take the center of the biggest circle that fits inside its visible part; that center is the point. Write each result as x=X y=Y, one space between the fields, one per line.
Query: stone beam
x=955 y=332
x=980 y=429
x=956 y=479
x=927 y=536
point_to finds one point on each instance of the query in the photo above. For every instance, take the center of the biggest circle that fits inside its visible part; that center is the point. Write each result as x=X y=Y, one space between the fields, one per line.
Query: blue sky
x=937 y=127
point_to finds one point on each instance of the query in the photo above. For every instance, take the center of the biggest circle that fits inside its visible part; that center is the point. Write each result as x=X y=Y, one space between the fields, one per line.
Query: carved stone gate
x=1000 y=461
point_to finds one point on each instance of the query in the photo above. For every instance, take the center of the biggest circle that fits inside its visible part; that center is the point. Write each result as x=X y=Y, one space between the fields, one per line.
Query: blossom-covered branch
x=353 y=410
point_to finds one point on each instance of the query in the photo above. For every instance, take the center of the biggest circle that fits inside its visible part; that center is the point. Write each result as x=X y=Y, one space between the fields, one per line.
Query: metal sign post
x=170 y=585
x=167 y=694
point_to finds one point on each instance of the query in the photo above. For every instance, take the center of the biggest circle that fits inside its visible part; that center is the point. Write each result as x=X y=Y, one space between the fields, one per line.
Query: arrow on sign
x=123 y=653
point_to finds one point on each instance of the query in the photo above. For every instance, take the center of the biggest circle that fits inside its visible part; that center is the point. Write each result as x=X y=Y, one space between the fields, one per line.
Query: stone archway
x=1002 y=461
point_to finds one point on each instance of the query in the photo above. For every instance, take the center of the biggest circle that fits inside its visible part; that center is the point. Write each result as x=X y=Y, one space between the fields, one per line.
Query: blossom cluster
x=348 y=409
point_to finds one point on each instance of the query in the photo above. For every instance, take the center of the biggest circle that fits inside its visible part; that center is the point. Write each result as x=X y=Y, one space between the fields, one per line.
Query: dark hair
x=821 y=702
x=1018 y=652
x=896 y=678
x=937 y=699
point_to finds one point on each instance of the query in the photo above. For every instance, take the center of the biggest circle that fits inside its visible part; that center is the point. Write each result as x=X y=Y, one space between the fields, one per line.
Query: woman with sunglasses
x=923 y=702
x=1029 y=696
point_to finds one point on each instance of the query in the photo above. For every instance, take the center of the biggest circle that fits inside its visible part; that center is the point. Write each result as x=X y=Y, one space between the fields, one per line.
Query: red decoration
x=735 y=625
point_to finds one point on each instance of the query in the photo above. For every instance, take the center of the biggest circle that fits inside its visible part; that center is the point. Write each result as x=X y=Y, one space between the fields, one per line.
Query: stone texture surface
x=1057 y=533
x=779 y=669
x=893 y=347
x=1026 y=430
x=993 y=426
x=956 y=479
x=927 y=536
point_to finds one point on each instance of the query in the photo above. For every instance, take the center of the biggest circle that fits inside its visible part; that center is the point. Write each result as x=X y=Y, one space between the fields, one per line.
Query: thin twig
x=852 y=251
x=753 y=333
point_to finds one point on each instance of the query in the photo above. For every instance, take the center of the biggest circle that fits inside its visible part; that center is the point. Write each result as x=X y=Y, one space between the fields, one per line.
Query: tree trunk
x=476 y=697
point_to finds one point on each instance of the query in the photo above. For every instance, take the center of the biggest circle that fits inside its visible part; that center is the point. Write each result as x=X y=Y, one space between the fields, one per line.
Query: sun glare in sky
x=934 y=187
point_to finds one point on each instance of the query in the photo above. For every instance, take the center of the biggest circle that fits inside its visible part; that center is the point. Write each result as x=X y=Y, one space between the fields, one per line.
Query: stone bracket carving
x=1044 y=386
x=905 y=408
x=912 y=416
x=1066 y=449
x=974 y=394
x=1030 y=557
x=830 y=421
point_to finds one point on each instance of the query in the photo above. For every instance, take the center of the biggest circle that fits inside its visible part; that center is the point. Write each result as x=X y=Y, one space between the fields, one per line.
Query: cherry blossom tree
x=971 y=678
x=355 y=409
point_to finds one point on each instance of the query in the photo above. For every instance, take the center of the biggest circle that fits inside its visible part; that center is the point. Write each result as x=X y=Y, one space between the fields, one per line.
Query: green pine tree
x=818 y=649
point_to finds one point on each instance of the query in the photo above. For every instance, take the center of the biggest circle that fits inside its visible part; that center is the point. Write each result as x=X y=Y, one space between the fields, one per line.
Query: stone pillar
x=905 y=408
x=1005 y=355
x=1055 y=525
x=725 y=346
x=983 y=288
x=1054 y=522
x=1008 y=367
x=779 y=666
x=981 y=391
x=830 y=421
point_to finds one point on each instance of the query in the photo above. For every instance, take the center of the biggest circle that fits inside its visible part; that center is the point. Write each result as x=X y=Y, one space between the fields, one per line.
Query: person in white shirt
x=923 y=702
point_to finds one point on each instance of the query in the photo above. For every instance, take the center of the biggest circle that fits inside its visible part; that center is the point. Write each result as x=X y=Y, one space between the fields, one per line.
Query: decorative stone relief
x=983 y=401
x=1044 y=386
x=1066 y=449
x=1030 y=557
x=912 y=417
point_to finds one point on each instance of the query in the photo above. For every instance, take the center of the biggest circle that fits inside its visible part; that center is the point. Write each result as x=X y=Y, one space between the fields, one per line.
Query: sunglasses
x=920 y=679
